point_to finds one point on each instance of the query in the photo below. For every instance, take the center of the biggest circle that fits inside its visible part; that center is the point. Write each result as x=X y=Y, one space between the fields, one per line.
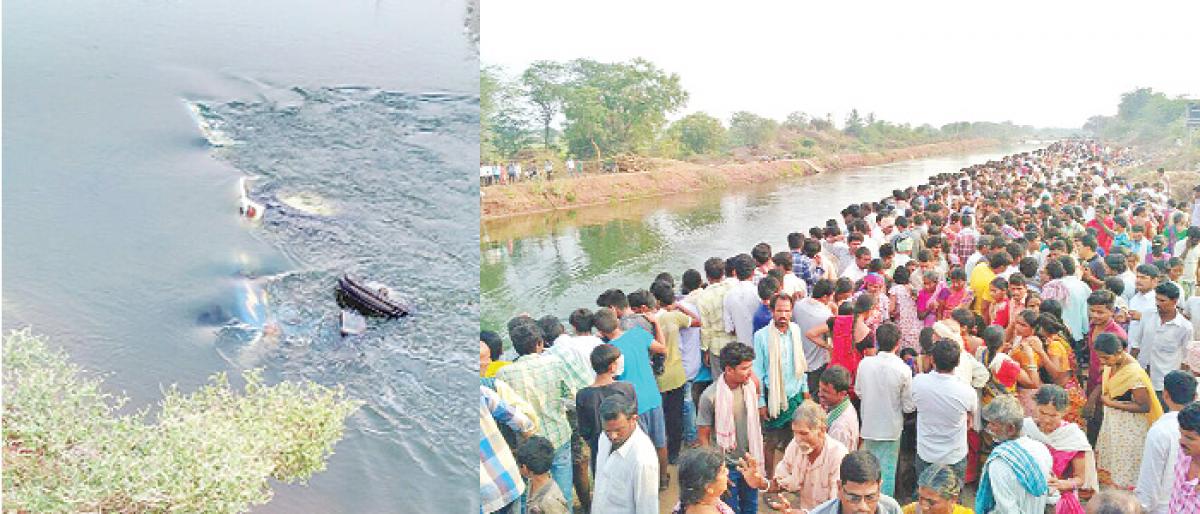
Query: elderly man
x=1114 y=501
x=858 y=489
x=626 y=462
x=1016 y=475
x=808 y=472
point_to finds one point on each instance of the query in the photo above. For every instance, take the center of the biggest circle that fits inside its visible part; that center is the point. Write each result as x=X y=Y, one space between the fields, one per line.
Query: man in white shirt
x=1157 y=475
x=1142 y=303
x=741 y=301
x=944 y=406
x=577 y=348
x=1163 y=335
x=835 y=246
x=884 y=385
x=626 y=463
x=858 y=269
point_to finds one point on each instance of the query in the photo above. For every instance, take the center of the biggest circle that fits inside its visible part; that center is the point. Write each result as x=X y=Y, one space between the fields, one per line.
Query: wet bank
x=675 y=177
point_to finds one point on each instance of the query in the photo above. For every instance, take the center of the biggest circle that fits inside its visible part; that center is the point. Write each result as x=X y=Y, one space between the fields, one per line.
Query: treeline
x=1144 y=117
x=595 y=111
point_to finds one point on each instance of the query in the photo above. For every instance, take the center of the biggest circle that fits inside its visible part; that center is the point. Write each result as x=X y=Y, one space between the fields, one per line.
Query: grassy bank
x=668 y=177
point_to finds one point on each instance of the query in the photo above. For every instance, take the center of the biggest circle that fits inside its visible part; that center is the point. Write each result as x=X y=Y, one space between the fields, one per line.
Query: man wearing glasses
x=858 y=489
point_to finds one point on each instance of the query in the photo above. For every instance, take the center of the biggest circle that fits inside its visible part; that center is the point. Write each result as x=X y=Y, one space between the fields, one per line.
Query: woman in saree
x=903 y=309
x=1130 y=407
x=927 y=305
x=873 y=287
x=1074 y=464
x=1023 y=344
x=1058 y=365
x=849 y=334
x=950 y=298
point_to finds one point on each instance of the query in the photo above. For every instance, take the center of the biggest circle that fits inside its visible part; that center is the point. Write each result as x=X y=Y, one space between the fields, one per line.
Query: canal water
x=128 y=127
x=555 y=263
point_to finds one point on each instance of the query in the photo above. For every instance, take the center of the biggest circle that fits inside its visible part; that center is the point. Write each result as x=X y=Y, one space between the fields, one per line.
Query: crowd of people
x=1025 y=327
x=513 y=172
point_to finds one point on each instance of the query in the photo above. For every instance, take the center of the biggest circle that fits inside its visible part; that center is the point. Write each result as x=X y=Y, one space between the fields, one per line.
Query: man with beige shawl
x=779 y=362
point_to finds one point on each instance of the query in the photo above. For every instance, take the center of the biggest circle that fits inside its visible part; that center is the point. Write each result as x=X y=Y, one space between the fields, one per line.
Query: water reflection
x=557 y=262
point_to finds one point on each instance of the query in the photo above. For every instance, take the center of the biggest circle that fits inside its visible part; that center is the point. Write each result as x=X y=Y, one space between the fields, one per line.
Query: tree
x=489 y=86
x=752 y=130
x=66 y=448
x=617 y=107
x=796 y=121
x=699 y=134
x=543 y=83
x=504 y=114
x=854 y=124
x=822 y=124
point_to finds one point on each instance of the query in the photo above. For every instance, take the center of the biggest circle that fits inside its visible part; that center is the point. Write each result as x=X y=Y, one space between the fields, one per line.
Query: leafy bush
x=68 y=449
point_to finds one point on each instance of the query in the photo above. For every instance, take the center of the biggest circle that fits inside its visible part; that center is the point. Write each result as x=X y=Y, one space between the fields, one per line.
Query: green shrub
x=67 y=449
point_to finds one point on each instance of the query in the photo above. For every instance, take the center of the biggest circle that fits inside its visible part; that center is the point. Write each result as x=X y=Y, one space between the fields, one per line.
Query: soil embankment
x=673 y=177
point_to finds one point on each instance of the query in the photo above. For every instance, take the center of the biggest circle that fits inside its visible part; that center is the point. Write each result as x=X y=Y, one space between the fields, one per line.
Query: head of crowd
x=1016 y=336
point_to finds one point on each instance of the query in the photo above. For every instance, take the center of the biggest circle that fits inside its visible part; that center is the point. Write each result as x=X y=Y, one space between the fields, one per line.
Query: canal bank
x=553 y=263
x=675 y=177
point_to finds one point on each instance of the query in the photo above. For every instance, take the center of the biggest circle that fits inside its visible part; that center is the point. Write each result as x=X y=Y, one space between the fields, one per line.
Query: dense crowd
x=1025 y=325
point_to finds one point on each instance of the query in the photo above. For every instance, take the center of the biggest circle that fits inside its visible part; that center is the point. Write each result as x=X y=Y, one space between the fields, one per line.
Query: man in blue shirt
x=779 y=362
x=767 y=287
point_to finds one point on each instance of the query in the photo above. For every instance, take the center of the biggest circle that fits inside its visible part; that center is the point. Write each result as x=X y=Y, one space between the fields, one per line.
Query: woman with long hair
x=1058 y=364
x=903 y=309
x=1024 y=345
x=849 y=334
x=1130 y=407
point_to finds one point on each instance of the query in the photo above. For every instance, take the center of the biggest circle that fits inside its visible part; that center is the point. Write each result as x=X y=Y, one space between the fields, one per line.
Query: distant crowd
x=513 y=172
x=1027 y=326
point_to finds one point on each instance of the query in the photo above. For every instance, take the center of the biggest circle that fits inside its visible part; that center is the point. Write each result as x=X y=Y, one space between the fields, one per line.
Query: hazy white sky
x=1050 y=64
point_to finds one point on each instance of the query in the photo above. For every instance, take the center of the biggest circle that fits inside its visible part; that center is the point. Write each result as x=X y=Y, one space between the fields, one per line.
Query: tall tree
x=617 y=107
x=505 y=119
x=543 y=82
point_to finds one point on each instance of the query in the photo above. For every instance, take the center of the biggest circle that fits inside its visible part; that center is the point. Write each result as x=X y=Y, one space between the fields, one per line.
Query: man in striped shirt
x=499 y=477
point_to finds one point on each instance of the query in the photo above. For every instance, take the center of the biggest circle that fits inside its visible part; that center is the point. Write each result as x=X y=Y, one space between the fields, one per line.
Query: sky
x=1047 y=64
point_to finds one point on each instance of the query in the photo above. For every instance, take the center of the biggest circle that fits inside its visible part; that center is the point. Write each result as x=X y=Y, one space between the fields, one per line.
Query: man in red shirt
x=1100 y=319
x=1104 y=231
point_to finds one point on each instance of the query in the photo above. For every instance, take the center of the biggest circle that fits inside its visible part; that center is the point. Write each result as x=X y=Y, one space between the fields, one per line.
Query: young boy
x=543 y=496
x=607 y=363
